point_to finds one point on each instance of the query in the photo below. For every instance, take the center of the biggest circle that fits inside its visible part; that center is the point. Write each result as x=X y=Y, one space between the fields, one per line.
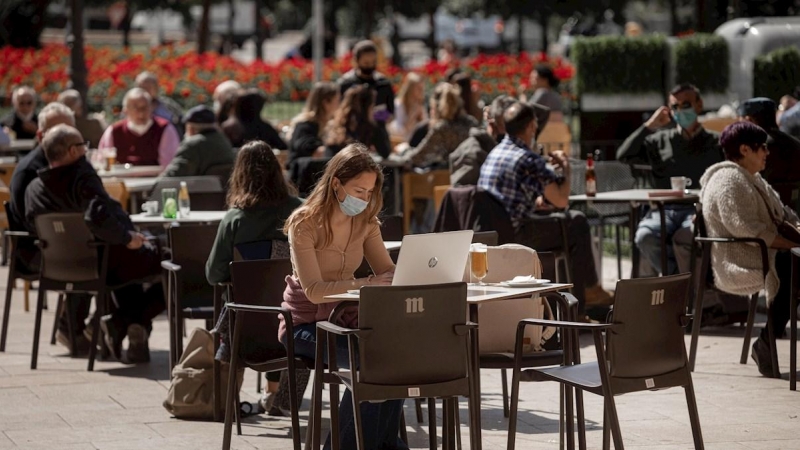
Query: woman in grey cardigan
x=738 y=202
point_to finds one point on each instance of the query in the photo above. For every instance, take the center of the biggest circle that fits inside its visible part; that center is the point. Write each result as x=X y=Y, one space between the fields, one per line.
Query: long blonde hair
x=349 y=163
x=323 y=91
x=412 y=80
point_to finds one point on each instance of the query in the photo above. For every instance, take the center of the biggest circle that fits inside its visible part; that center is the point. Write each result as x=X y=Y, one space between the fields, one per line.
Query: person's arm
x=375 y=251
x=103 y=215
x=184 y=163
x=305 y=140
x=555 y=188
x=168 y=145
x=306 y=265
x=273 y=138
x=218 y=264
x=634 y=149
x=107 y=140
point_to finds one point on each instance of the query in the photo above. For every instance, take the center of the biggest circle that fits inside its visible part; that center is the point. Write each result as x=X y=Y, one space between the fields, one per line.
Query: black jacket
x=26 y=171
x=467 y=159
x=13 y=121
x=783 y=161
x=77 y=188
x=305 y=140
x=472 y=208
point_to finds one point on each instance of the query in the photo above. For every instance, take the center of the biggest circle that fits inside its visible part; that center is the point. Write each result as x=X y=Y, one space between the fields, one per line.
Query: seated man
x=204 y=147
x=686 y=150
x=520 y=180
x=163 y=107
x=70 y=184
x=90 y=126
x=21 y=120
x=141 y=138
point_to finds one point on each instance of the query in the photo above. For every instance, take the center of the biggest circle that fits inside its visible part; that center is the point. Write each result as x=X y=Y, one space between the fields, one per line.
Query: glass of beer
x=111 y=157
x=478 y=262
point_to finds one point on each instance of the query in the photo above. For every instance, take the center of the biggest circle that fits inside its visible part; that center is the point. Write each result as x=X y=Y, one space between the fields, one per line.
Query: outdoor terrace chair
x=205 y=192
x=643 y=350
x=258 y=289
x=17 y=270
x=412 y=342
x=704 y=243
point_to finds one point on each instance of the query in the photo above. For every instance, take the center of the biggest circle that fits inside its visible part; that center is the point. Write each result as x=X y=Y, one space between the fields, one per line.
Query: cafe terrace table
x=195 y=217
x=128 y=171
x=636 y=197
x=477 y=295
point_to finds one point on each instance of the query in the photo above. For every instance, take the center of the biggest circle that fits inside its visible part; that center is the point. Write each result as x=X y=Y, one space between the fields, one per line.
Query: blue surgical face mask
x=685 y=118
x=352 y=206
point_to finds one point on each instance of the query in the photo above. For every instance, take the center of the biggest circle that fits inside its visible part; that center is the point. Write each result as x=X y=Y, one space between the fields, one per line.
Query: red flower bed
x=190 y=78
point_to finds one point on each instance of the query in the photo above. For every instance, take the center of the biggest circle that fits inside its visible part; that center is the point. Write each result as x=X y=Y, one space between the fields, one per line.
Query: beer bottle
x=591 y=178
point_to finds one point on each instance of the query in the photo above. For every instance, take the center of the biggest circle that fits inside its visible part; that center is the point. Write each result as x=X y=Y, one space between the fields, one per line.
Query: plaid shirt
x=516 y=176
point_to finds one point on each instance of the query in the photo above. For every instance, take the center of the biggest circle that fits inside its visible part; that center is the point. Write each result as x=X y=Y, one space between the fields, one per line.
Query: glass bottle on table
x=183 y=200
x=591 y=178
x=169 y=200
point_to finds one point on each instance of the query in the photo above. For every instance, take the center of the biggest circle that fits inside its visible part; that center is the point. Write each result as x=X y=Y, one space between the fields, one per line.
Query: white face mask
x=139 y=129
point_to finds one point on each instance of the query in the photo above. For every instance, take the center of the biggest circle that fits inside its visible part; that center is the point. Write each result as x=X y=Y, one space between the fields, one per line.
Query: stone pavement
x=118 y=407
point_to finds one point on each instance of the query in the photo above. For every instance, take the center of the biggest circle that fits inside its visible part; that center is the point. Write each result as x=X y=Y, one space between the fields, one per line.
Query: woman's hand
x=384 y=279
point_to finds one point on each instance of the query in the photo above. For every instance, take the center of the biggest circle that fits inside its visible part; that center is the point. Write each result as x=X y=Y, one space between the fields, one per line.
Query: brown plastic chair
x=704 y=242
x=16 y=270
x=72 y=262
x=488 y=238
x=258 y=287
x=420 y=185
x=644 y=350
x=413 y=342
x=189 y=296
x=116 y=189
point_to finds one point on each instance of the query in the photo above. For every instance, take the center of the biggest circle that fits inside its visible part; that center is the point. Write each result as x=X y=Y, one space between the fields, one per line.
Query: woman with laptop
x=329 y=236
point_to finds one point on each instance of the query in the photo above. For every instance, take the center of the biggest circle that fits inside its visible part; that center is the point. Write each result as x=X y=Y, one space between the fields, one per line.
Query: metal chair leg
x=773 y=348
x=793 y=341
x=258 y=384
x=698 y=305
x=418 y=409
x=37 y=328
x=403 y=431
x=432 y=440
x=694 y=417
x=606 y=428
x=59 y=311
x=504 y=382
x=100 y=300
x=26 y=291
x=614 y=419
x=751 y=315
x=7 y=307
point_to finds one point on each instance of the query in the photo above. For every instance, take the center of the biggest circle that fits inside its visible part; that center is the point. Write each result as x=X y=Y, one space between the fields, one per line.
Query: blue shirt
x=790 y=121
x=516 y=176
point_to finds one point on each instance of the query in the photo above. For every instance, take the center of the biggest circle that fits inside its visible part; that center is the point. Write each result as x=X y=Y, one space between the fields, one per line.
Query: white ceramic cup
x=680 y=183
x=150 y=208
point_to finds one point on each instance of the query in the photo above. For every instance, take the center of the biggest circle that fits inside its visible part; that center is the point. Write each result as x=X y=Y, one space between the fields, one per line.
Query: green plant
x=615 y=64
x=777 y=73
x=702 y=59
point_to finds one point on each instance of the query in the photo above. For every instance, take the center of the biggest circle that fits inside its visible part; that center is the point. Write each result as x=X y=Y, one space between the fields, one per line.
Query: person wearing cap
x=784 y=150
x=204 y=146
x=685 y=150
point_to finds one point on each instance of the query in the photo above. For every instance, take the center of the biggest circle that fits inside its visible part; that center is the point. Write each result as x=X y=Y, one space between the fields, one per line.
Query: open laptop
x=432 y=258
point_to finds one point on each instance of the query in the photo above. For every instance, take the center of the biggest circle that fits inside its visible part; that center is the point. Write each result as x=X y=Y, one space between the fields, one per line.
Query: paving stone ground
x=118 y=407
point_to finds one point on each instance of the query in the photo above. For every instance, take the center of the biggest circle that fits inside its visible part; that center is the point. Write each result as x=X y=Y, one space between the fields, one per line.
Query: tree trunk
x=520 y=33
x=432 y=32
x=126 y=25
x=369 y=17
x=202 y=30
x=397 y=59
x=673 y=16
x=545 y=23
x=259 y=31
x=231 y=16
x=77 y=60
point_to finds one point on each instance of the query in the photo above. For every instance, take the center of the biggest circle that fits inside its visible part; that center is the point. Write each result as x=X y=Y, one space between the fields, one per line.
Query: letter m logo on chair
x=414 y=305
x=58 y=227
x=657 y=297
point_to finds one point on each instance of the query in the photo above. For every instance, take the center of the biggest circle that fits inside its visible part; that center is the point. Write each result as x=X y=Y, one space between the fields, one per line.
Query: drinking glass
x=110 y=154
x=169 y=198
x=478 y=262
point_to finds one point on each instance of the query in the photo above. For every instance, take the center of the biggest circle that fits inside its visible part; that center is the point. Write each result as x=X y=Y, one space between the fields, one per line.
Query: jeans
x=544 y=235
x=380 y=421
x=648 y=235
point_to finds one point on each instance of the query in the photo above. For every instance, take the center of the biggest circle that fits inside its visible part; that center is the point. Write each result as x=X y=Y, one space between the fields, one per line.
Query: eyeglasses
x=684 y=105
x=80 y=144
x=761 y=147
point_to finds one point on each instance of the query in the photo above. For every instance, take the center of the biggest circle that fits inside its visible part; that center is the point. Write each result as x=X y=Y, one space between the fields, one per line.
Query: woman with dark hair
x=353 y=122
x=260 y=202
x=738 y=202
x=544 y=82
x=468 y=97
x=245 y=124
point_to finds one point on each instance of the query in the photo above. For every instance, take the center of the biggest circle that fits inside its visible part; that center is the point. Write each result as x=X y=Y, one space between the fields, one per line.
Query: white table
x=655 y=197
x=195 y=217
x=476 y=295
x=121 y=171
x=392 y=245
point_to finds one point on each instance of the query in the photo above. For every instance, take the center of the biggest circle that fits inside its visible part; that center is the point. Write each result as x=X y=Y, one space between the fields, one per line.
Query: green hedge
x=702 y=59
x=777 y=73
x=616 y=64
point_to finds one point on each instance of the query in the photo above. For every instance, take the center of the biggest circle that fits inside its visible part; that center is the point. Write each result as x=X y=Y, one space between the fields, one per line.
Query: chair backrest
x=489 y=238
x=221 y=171
x=12 y=222
x=205 y=192
x=66 y=251
x=191 y=245
x=260 y=283
x=267 y=249
x=548 y=263
x=648 y=335
x=555 y=136
x=412 y=338
x=6 y=171
x=612 y=176
x=116 y=189
x=699 y=221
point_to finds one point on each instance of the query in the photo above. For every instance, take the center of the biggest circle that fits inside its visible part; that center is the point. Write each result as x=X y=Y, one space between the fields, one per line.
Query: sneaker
x=138 y=347
x=112 y=336
x=761 y=355
x=267 y=404
x=597 y=296
x=81 y=342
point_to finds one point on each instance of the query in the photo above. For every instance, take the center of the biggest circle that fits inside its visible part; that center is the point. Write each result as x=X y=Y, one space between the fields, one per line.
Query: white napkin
x=523 y=279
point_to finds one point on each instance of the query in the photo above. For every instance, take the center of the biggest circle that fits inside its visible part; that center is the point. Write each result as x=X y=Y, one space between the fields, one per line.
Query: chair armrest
x=171 y=266
x=341 y=331
x=743 y=240
x=565 y=300
x=256 y=308
x=224 y=283
x=464 y=328
x=19 y=234
x=564 y=324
